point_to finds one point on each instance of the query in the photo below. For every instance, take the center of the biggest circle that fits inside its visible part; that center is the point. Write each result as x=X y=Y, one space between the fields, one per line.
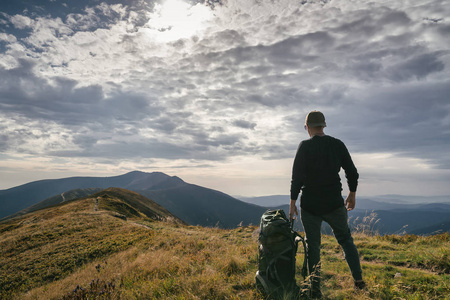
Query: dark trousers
x=338 y=221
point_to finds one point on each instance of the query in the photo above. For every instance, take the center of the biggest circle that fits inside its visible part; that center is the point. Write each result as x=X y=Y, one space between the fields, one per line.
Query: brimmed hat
x=315 y=119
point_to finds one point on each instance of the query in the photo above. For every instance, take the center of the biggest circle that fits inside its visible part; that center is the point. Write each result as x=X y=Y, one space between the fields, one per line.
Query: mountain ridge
x=137 y=202
x=28 y=194
x=192 y=203
x=57 y=199
x=198 y=205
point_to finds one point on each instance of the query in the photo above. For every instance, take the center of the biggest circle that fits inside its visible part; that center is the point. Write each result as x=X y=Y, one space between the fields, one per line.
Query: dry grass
x=48 y=245
x=73 y=251
x=395 y=267
x=178 y=263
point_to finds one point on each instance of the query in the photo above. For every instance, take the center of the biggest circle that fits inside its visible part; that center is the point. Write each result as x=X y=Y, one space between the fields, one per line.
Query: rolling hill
x=71 y=234
x=197 y=205
x=117 y=244
x=21 y=197
x=131 y=204
x=194 y=204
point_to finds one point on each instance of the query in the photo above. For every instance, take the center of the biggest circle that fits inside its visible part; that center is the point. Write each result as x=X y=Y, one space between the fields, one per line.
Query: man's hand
x=292 y=210
x=350 y=202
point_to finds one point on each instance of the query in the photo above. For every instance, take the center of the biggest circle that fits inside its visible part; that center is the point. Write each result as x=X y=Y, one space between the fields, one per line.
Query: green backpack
x=278 y=244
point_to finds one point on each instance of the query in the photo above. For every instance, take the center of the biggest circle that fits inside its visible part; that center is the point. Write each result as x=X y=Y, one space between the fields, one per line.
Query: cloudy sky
x=216 y=92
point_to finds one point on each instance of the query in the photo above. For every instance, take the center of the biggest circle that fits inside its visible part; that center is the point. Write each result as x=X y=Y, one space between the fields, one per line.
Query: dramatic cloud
x=212 y=86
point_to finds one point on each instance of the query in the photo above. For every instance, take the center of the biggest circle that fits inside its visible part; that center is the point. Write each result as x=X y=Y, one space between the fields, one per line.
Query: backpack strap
x=299 y=238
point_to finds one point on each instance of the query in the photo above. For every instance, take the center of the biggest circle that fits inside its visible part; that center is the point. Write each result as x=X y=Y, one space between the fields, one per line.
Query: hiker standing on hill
x=316 y=173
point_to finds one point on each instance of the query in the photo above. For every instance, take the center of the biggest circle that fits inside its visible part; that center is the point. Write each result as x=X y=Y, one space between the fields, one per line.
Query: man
x=316 y=173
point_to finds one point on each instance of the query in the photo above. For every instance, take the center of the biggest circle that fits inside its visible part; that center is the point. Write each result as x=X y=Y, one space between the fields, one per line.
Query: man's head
x=315 y=119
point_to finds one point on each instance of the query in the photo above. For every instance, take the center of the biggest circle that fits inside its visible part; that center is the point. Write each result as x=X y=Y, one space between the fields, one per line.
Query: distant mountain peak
x=151 y=181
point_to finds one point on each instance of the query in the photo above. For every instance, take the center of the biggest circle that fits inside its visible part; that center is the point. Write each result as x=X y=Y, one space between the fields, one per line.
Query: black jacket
x=316 y=173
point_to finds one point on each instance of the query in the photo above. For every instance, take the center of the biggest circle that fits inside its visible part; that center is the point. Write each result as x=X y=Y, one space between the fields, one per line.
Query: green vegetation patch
x=426 y=252
x=32 y=256
x=76 y=251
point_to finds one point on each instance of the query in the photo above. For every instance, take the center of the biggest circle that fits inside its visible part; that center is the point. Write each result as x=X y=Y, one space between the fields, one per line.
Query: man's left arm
x=351 y=173
x=350 y=201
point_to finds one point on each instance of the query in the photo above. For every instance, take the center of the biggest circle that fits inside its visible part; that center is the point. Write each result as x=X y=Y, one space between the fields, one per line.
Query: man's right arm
x=292 y=210
x=298 y=173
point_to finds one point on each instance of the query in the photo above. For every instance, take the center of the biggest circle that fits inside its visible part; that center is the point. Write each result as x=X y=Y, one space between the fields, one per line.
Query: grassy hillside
x=103 y=247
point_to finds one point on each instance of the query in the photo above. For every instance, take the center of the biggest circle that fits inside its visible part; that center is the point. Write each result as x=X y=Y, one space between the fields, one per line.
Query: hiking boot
x=360 y=285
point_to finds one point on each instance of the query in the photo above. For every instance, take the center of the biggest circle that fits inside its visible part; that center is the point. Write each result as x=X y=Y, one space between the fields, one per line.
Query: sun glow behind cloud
x=176 y=19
